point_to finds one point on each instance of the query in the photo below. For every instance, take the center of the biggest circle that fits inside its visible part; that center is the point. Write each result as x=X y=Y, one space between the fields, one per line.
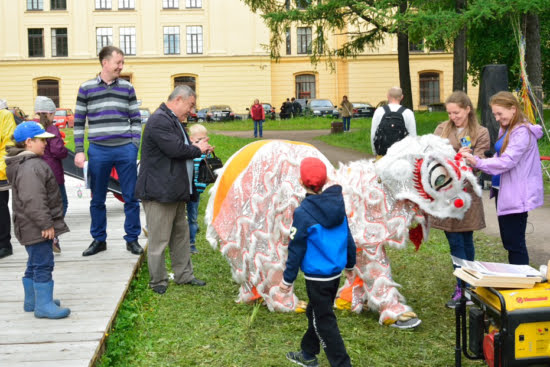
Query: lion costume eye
x=439 y=176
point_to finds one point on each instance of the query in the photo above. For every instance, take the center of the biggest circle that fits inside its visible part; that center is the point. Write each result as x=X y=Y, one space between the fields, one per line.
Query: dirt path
x=538 y=221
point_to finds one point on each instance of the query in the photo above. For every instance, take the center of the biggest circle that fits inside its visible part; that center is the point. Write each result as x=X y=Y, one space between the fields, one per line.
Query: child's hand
x=48 y=233
x=284 y=288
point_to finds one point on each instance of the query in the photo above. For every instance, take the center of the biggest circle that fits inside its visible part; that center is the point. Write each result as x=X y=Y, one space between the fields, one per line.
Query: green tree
x=365 y=23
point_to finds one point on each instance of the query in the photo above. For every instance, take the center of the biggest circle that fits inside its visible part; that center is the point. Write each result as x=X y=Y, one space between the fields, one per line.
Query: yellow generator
x=507 y=327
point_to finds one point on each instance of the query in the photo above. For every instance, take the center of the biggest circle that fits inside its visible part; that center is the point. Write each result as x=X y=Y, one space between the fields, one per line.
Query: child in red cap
x=321 y=245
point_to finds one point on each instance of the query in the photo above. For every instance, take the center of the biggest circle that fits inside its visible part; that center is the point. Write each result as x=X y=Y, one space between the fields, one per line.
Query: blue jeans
x=347 y=121
x=258 y=123
x=462 y=245
x=101 y=160
x=63 y=192
x=192 y=213
x=40 y=263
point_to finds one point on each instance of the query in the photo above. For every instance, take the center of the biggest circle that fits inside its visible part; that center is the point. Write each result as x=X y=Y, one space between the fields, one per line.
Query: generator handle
x=500 y=336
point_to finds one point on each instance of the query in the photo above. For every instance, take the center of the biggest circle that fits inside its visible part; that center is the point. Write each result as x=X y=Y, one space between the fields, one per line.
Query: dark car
x=18 y=114
x=321 y=107
x=201 y=114
x=192 y=117
x=269 y=111
x=219 y=113
x=362 y=109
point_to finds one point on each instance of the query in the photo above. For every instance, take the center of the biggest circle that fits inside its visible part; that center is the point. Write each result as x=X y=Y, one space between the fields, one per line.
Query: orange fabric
x=256 y=294
x=347 y=293
x=234 y=169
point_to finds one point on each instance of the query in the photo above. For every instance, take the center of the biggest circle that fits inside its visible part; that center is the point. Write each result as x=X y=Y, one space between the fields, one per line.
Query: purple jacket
x=54 y=153
x=521 y=188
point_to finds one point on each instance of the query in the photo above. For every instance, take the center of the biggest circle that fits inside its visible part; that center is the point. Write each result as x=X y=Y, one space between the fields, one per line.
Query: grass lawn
x=203 y=326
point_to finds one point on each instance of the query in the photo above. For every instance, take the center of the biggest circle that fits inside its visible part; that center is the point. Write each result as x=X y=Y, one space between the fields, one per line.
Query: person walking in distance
x=109 y=104
x=258 y=116
x=347 y=112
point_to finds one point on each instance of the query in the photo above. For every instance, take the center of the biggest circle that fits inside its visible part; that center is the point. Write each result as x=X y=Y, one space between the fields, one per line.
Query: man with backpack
x=391 y=123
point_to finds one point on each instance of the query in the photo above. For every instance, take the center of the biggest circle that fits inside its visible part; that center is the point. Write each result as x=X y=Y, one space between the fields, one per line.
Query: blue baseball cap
x=30 y=129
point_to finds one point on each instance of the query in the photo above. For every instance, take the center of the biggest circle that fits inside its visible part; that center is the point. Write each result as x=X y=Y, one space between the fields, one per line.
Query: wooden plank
x=93 y=287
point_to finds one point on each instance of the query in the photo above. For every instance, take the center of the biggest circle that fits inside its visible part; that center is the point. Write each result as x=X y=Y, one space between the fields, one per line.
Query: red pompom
x=459 y=203
x=458 y=156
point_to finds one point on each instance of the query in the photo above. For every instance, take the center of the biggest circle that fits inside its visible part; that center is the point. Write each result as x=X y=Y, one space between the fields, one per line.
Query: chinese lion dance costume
x=388 y=201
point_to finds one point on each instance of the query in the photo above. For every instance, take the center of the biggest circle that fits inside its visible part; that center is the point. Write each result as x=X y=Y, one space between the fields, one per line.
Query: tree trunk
x=403 y=60
x=460 y=54
x=533 y=58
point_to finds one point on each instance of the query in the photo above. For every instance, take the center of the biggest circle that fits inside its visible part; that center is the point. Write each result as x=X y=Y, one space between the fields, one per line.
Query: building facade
x=218 y=47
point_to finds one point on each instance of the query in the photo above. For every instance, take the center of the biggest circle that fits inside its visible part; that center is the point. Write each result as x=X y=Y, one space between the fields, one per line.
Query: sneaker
x=160 y=289
x=407 y=324
x=298 y=358
x=55 y=246
x=455 y=299
x=194 y=249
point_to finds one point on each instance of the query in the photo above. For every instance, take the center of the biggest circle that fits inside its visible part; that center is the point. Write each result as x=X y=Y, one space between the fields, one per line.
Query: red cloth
x=257 y=112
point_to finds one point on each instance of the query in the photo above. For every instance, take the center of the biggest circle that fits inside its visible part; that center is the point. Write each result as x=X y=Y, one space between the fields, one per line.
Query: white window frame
x=126 y=4
x=127 y=40
x=103 y=4
x=170 y=4
x=102 y=34
x=35 y=5
x=54 y=42
x=171 y=40
x=304 y=40
x=193 y=3
x=194 y=40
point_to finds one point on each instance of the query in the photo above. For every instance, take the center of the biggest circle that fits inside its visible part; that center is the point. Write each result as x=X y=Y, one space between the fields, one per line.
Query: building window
x=128 y=40
x=58 y=5
x=36 y=42
x=170 y=4
x=303 y=4
x=438 y=46
x=103 y=4
x=429 y=89
x=194 y=39
x=171 y=40
x=59 y=42
x=48 y=88
x=304 y=40
x=305 y=86
x=126 y=4
x=288 y=44
x=193 y=3
x=104 y=37
x=416 y=47
x=190 y=81
x=35 y=4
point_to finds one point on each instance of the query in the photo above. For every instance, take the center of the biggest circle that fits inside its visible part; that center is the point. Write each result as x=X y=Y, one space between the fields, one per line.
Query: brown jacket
x=474 y=218
x=36 y=201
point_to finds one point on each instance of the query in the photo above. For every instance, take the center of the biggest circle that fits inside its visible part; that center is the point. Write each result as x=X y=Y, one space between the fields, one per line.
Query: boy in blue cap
x=321 y=245
x=37 y=216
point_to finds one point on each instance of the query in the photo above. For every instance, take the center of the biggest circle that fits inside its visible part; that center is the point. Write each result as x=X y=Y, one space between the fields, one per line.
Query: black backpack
x=390 y=130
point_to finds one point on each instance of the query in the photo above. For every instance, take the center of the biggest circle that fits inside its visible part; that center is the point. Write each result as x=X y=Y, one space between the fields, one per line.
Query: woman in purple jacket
x=55 y=151
x=518 y=187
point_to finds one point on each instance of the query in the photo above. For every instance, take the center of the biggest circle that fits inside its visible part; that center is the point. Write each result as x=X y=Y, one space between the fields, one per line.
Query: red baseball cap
x=313 y=173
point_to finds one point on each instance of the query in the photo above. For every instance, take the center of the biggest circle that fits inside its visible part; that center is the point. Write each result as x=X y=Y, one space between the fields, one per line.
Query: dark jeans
x=40 y=263
x=101 y=160
x=258 y=125
x=322 y=326
x=192 y=213
x=347 y=121
x=5 y=220
x=462 y=246
x=63 y=192
x=512 y=233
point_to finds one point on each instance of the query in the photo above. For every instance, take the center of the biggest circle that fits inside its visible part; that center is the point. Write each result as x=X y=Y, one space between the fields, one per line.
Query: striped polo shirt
x=112 y=112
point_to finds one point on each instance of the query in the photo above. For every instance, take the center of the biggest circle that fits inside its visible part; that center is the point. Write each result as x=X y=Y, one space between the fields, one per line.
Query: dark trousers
x=322 y=326
x=101 y=160
x=5 y=220
x=346 y=121
x=512 y=233
x=40 y=263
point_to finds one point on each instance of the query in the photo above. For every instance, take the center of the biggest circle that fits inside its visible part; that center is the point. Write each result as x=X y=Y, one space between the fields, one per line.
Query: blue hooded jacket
x=321 y=243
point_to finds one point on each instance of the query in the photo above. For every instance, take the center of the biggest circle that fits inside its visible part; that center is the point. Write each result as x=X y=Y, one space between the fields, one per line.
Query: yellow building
x=49 y=47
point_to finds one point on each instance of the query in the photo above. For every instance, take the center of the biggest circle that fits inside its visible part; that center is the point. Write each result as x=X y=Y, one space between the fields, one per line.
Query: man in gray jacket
x=165 y=185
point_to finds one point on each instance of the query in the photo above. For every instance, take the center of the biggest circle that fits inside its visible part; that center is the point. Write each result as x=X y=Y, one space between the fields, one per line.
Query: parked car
x=192 y=117
x=321 y=107
x=219 y=113
x=362 y=109
x=145 y=114
x=18 y=114
x=63 y=118
x=269 y=111
x=201 y=114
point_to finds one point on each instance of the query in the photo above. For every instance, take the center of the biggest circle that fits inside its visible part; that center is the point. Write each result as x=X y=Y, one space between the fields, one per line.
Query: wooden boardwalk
x=92 y=287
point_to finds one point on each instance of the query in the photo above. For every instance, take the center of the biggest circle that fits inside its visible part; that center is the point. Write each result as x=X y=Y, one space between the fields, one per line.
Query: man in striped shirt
x=114 y=129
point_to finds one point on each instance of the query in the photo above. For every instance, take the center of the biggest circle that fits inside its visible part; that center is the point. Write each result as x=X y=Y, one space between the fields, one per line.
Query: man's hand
x=79 y=159
x=284 y=288
x=49 y=233
x=203 y=146
x=350 y=275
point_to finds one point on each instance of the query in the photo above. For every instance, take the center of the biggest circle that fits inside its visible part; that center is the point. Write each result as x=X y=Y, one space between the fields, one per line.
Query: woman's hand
x=465 y=150
x=470 y=159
